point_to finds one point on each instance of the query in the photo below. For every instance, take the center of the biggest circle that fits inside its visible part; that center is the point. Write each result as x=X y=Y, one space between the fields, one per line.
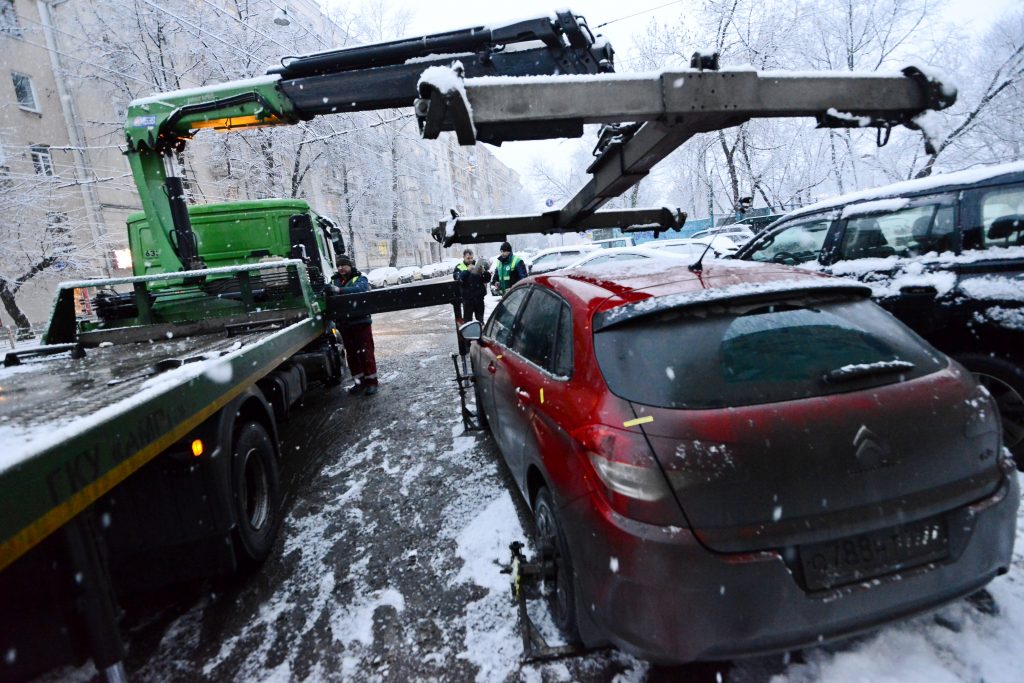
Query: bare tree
x=37 y=232
x=987 y=119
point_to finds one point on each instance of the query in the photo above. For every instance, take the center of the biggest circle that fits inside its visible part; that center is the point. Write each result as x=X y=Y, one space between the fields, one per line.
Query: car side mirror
x=471 y=331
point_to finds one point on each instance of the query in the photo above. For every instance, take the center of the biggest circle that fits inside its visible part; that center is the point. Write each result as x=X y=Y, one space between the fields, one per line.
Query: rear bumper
x=657 y=593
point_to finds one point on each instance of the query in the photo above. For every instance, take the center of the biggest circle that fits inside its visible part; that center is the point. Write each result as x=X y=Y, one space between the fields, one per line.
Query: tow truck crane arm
x=664 y=110
x=363 y=78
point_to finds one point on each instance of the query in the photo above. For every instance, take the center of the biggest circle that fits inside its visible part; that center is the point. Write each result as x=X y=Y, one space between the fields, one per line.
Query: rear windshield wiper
x=860 y=370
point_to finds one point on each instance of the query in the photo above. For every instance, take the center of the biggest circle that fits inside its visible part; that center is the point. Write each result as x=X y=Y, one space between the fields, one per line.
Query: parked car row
x=748 y=456
x=387 y=276
x=945 y=255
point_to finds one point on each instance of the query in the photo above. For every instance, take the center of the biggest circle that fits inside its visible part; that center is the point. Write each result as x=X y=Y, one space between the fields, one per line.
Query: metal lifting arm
x=498 y=228
x=363 y=78
x=669 y=107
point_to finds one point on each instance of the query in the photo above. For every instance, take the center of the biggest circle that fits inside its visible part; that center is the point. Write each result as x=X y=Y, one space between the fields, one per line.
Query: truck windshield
x=697 y=359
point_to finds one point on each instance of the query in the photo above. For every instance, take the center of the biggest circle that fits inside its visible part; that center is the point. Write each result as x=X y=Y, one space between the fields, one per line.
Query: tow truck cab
x=237 y=233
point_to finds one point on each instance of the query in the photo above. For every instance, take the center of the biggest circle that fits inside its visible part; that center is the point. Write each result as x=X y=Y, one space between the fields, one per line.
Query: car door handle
x=523 y=394
x=491 y=368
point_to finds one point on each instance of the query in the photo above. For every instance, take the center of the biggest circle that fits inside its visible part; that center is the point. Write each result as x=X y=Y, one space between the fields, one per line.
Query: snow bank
x=956 y=643
x=492 y=641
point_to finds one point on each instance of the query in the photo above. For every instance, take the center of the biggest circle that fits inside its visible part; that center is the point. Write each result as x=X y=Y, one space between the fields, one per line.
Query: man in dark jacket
x=511 y=269
x=461 y=268
x=473 y=277
x=356 y=333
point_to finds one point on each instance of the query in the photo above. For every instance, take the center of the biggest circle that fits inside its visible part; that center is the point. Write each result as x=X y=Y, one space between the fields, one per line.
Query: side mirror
x=337 y=241
x=471 y=331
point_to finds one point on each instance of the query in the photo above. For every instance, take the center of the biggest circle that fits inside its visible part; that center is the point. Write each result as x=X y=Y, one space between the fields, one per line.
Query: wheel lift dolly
x=529 y=581
x=464 y=380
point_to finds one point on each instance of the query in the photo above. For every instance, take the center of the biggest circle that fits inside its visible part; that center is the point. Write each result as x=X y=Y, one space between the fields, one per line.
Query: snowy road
x=386 y=566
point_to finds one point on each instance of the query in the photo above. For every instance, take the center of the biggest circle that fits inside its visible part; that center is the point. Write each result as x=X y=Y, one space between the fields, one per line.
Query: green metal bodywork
x=98 y=451
x=228 y=234
x=162 y=124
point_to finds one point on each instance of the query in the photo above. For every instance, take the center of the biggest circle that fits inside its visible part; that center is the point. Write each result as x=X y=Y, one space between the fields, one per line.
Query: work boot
x=355 y=389
x=371 y=390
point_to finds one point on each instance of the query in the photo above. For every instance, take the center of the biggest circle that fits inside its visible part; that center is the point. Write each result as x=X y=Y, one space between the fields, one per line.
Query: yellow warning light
x=197 y=447
x=236 y=122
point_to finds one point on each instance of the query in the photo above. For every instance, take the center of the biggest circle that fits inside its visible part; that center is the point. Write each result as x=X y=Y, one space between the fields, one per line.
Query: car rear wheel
x=256 y=492
x=1005 y=381
x=481 y=416
x=559 y=587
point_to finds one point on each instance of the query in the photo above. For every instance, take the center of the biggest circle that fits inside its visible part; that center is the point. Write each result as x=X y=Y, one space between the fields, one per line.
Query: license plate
x=855 y=558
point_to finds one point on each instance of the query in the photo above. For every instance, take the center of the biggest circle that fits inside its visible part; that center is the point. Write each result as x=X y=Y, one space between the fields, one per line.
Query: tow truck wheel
x=256 y=492
x=1005 y=381
x=336 y=366
x=559 y=589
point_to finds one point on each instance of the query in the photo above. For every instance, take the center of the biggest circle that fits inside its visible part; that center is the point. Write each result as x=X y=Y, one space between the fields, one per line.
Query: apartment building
x=70 y=69
x=48 y=228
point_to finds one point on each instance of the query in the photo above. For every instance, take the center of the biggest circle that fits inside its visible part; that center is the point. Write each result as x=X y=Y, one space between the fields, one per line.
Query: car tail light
x=631 y=479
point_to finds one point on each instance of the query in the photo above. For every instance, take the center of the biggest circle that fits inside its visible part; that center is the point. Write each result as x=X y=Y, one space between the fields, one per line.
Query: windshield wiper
x=861 y=370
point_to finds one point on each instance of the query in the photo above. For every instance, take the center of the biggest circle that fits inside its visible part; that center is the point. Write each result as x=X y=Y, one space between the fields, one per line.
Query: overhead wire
x=637 y=14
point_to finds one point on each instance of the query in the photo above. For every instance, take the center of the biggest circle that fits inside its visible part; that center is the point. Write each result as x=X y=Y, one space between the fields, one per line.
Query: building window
x=41 y=159
x=9 y=19
x=24 y=91
x=57 y=230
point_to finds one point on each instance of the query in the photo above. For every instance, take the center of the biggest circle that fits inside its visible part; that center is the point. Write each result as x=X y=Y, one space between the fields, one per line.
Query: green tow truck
x=140 y=439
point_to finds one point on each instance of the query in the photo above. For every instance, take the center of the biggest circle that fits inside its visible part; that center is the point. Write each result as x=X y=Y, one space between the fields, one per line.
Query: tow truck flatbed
x=75 y=428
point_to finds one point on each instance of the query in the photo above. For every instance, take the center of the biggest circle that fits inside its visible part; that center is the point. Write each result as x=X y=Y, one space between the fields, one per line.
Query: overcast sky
x=446 y=15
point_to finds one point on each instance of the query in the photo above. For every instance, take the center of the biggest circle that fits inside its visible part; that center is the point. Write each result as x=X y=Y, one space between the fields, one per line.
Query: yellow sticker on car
x=638 y=421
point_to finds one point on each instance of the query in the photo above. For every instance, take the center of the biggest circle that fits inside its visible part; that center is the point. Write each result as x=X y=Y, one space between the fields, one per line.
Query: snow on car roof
x=908 y=187
x=634 y=281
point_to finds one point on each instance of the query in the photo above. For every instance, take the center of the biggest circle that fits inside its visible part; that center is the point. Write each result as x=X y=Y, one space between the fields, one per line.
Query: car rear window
x=699 y=358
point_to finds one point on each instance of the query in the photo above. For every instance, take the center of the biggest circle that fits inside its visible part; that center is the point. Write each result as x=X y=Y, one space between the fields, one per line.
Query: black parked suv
x=944 y=254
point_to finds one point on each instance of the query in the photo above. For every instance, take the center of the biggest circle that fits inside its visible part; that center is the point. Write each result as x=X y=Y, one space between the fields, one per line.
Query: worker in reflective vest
x=356 y=333
x=459 y=274
x=511 y=269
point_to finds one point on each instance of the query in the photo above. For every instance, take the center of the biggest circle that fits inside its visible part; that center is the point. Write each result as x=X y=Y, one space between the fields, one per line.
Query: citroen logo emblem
x=871 y=452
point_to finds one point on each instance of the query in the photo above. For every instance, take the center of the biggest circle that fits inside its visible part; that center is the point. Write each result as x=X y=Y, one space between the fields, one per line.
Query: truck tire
x=336 y=363
x=1005 y=381
x=550 y=543
x=256 y=492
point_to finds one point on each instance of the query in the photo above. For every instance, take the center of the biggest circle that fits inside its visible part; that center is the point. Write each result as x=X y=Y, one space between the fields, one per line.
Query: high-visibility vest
x=505 y=271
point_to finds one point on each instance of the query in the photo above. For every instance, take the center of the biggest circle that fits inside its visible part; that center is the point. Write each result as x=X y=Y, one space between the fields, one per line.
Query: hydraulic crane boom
x=664 y=110
x=355 y=79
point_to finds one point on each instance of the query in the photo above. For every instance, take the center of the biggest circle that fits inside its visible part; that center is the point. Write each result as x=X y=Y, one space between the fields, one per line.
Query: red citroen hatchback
x=740 y=460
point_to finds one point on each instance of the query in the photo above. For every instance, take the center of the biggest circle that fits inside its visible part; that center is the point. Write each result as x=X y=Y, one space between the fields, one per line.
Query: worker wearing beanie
x=356 y=333
x=511 y=269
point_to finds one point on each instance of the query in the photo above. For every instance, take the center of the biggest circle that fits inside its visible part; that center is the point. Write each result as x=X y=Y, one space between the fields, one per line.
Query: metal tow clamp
x=526 y=580
x=464 y=380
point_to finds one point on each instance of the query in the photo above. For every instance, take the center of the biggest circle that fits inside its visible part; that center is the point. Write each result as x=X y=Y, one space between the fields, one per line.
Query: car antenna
x=696 y=266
